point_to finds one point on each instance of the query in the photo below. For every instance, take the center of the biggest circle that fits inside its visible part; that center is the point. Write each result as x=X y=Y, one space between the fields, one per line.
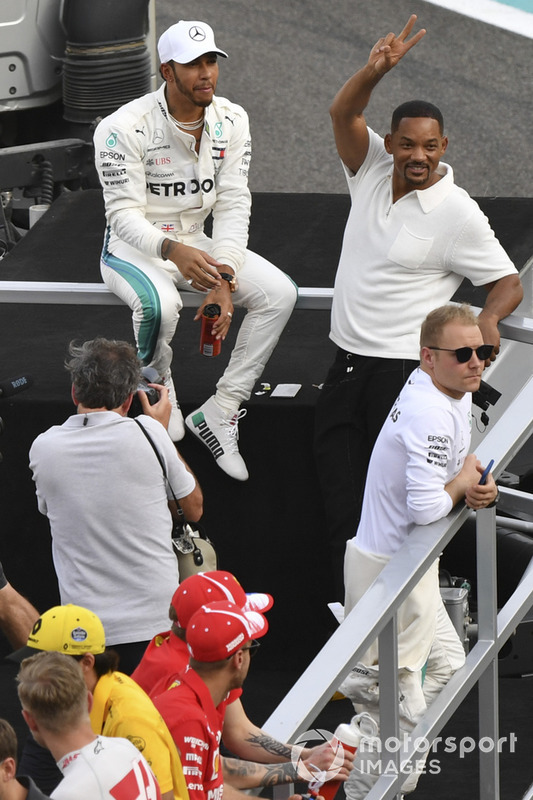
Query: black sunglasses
x=464 y=354
x=253 y=647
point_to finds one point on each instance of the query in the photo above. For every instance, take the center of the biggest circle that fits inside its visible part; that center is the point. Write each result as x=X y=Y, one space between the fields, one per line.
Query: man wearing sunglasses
x=167 y=654
x=411 y=238
x=419 y=470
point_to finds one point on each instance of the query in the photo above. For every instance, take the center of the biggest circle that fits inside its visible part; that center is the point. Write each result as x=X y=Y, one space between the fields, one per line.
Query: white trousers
x=418 y=687
x=151 y=288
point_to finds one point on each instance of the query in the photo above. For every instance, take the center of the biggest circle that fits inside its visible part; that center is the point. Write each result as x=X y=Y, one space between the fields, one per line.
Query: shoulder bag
x=194 y=550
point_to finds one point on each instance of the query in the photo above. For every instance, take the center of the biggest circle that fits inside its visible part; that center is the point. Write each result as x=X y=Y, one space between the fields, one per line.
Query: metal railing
x=74 y=293
x=375 y=615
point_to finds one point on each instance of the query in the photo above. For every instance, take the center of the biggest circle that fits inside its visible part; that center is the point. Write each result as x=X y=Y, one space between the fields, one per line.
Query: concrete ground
x=287 y=60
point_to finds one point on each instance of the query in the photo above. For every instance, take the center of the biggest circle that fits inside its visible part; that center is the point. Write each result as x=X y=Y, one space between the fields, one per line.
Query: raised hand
x=391 y=48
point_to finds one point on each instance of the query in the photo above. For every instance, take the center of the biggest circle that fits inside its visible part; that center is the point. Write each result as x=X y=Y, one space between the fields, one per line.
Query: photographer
x=104 y=492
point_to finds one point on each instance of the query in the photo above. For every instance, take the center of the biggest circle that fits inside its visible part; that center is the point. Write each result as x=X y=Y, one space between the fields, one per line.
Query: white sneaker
x=219 y=432
x=176 y=427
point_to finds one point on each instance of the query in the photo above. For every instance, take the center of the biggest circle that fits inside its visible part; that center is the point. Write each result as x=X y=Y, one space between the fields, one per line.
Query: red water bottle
x=209 y=345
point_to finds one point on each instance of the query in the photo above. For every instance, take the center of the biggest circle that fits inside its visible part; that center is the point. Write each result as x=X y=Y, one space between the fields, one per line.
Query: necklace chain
x=189 y=126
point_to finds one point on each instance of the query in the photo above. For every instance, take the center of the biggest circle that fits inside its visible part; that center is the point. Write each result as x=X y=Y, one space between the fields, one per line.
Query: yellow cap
x=68 y=629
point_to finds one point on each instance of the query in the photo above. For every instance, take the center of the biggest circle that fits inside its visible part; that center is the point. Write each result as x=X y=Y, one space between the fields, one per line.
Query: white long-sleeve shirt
x=156 y=186
x=420 y=449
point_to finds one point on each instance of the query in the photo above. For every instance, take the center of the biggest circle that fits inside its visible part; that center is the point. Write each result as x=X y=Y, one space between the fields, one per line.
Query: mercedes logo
x=197 y=34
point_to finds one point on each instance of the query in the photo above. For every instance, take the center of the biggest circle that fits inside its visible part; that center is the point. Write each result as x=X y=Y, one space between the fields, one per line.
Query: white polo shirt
x=103 y=490
x=401 y=260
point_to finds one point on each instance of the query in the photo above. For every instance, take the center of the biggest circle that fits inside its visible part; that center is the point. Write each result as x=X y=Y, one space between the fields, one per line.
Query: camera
x=149 y=375
x=485 y=396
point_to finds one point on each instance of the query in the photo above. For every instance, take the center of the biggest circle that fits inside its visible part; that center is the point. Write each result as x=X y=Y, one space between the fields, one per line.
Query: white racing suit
x=156 y=186
x=421 y=618
x=420 y=449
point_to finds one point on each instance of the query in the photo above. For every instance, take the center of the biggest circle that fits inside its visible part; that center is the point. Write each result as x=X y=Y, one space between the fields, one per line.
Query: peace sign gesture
x=391 y=48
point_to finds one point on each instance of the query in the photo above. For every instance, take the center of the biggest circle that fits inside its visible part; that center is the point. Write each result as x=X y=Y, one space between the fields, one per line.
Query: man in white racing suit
x=56 y=704
x=166 y=161
x=422 y=450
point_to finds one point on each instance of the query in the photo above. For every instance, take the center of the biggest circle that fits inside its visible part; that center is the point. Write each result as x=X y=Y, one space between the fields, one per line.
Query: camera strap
x=162 y=463
x=185 y=540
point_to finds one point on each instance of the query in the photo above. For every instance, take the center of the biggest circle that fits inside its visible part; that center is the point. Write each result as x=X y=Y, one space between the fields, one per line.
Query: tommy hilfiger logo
x=207 y=435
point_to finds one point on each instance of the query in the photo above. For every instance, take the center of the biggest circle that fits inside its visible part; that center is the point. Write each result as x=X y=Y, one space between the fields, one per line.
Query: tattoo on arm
x=264 y=774
x=270 y=745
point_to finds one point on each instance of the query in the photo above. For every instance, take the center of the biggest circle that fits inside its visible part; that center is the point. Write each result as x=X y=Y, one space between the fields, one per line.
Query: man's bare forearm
x=352 y=99
x=249 y=774
x=503 y=297
x=268 y=746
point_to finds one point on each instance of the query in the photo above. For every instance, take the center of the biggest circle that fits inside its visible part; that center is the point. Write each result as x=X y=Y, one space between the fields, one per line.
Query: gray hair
x=104 y=372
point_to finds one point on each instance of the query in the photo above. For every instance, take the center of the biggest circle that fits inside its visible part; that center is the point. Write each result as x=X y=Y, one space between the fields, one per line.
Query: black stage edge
x=269 y=531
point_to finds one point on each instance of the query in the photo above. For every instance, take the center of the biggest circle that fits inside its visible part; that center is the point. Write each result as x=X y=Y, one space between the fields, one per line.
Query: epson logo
x=114 y=156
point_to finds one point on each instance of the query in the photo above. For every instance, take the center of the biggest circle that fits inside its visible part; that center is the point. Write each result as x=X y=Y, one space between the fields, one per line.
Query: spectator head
x=186 y=41
x=8 y=742
x=9 y=786
x=436 y=320
x=74 y=631
x=414 y=109
x=453 y=352
x=220 y=639
x=210 y=587
x=104 y=373
x=68 y=629
x=53 y=694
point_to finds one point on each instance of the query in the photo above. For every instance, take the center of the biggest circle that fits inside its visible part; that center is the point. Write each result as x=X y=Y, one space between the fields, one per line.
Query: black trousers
x=354 y=402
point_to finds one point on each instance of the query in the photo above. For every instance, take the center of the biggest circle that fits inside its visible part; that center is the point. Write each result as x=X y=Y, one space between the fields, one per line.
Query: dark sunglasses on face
x=464 y=354
x=253 y=647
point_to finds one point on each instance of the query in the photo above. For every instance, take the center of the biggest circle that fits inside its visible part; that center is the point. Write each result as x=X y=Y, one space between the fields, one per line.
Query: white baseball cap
x=187 y=40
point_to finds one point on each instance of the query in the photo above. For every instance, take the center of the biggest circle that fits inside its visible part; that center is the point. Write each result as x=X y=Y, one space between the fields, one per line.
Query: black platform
x=269 y=531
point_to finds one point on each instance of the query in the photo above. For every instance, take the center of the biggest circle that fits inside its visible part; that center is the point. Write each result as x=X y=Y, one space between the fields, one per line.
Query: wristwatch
x=231 y=279
x=495 y=501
